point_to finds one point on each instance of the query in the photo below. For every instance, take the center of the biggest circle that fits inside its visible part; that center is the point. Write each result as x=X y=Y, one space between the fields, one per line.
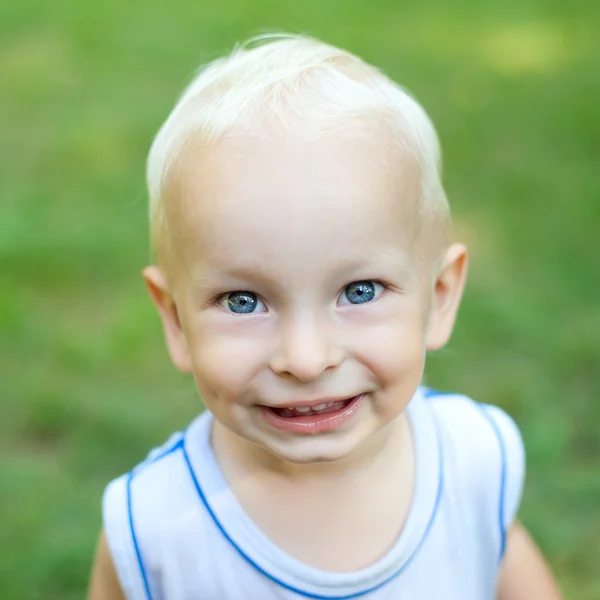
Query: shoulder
x=152 y=479
x=466 y=422
x=141 y=510
x=484 y=458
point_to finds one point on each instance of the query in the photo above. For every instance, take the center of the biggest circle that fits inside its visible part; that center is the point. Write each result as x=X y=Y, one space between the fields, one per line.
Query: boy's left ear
x=447 y=293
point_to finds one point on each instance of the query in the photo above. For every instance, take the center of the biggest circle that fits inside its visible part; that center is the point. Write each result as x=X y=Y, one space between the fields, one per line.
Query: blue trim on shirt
x=152 y=459
x=134 y=537
x=492 y=421
x=149 y=461
x=303 y=592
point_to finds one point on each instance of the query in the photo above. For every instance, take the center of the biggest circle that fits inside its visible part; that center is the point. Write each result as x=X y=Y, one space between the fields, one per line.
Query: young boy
x=304 y=268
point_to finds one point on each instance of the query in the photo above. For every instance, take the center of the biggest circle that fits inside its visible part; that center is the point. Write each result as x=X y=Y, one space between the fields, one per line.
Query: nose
x=306 y=350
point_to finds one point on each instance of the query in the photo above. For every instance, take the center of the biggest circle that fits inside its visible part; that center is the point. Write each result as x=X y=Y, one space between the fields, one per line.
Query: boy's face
x=295 y=280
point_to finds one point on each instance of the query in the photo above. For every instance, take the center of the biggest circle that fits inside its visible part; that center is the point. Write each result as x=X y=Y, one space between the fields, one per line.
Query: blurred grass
x=86 y=386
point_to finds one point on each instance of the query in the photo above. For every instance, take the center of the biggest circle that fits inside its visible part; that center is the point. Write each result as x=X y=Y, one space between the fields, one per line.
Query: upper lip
x=296 y=403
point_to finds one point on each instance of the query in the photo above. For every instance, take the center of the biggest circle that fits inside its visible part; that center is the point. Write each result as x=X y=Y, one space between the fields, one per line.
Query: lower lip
x=312 y=424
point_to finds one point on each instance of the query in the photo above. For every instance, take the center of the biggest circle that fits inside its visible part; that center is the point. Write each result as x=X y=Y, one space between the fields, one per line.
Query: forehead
x=277 y=195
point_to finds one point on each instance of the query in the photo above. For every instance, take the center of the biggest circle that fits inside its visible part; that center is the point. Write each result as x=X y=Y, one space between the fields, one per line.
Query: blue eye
x=242 y=302
x=359 y=292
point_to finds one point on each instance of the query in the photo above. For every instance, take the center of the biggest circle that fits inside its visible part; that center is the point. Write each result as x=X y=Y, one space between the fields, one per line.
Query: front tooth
x=302 y=409
x=330 y=404
x=320 y=406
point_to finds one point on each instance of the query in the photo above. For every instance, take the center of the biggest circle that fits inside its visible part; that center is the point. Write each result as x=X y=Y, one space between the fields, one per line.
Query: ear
x=162 y=298
x=447 y=293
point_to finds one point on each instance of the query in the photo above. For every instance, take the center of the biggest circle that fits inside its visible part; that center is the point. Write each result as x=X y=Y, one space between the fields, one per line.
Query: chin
x=312 y=450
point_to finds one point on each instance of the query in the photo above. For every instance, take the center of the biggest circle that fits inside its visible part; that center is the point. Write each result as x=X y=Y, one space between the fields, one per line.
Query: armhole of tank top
x=512 y=473
x=502 y=476
x=505 y=457
x=120 y=531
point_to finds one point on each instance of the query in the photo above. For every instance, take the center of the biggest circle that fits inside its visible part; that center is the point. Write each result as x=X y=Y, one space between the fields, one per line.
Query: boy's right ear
x=162 y=298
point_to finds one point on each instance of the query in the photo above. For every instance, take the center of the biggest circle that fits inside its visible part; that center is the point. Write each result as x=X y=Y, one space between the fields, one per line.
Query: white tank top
x=177 y=532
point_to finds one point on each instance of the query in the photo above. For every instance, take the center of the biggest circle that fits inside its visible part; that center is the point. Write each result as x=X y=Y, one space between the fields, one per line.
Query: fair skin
x=294 y=222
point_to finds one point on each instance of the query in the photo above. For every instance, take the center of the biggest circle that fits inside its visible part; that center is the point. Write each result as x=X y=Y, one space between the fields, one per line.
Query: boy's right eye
x=242 y=303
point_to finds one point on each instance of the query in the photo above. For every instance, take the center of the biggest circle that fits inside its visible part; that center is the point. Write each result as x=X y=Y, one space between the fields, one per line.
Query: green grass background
x=85 y=383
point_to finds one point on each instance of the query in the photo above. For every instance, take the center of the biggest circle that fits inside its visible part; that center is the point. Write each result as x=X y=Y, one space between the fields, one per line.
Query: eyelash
x=219 y=297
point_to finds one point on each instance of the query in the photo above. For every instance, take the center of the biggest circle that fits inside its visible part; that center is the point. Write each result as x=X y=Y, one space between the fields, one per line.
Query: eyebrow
x=213 y=276
x=400 y=262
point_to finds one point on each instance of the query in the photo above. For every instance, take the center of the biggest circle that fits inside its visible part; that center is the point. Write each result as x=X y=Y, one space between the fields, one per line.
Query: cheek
x=395 y=353
x=225 y=366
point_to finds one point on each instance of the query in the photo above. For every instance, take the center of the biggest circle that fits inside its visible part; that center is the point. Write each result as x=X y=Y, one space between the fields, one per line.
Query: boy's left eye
x=360 y=292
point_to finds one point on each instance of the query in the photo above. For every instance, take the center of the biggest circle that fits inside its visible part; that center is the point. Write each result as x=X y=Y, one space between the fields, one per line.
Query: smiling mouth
x=318 y=418
x=308 y=411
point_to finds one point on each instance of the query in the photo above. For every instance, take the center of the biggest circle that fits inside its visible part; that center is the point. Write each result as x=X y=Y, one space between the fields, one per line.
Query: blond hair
x=295 y=79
